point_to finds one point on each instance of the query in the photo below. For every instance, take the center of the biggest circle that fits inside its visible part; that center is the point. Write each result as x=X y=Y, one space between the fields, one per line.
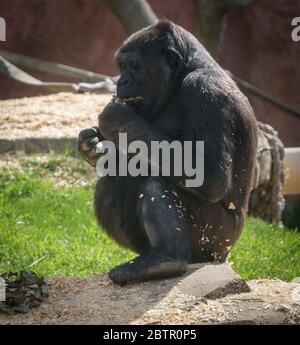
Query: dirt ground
x=96 y=300
x=60 y=115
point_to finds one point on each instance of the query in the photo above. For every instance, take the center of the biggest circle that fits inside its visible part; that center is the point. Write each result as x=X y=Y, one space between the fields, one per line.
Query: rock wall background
x=256 y=45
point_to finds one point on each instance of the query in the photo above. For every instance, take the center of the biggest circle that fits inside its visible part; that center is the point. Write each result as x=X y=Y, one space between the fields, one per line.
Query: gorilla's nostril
x=124 y=80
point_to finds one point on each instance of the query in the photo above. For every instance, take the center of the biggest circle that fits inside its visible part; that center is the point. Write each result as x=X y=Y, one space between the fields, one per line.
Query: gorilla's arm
x=119 y=118
x=211 y=118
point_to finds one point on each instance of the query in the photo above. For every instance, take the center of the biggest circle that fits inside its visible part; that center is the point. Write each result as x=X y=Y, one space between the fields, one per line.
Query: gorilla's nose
x=124 y=80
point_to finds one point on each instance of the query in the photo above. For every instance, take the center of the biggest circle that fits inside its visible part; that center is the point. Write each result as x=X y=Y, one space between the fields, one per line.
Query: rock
x=96 y=300
x=213 y=281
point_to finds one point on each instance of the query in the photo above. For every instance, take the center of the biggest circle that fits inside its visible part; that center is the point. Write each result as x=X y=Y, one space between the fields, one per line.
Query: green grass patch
x=38 y=219
x=267 y=251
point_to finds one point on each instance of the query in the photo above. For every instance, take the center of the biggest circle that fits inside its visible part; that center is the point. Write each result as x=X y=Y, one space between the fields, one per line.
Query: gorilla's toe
x=118 y=276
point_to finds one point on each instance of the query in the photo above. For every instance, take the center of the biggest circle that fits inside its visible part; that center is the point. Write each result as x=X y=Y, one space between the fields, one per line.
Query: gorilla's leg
x=110 y=206
x=163 y=221
x=214 y=231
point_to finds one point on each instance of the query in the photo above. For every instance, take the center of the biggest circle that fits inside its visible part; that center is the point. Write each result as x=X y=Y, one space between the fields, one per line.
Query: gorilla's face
x=145 y=81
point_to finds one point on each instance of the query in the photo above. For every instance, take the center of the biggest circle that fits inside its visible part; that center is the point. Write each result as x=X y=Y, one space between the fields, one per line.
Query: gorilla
x=172 y=89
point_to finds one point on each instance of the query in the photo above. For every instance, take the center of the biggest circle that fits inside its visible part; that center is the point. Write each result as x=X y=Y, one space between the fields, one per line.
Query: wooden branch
x=133 y=14
x=53 y=68
x=266 y=97
x=14 y=72
x=7 y=68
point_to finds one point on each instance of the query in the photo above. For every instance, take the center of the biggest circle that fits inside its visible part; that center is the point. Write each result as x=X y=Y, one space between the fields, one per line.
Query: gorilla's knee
x=151 y=193
x=154 y=187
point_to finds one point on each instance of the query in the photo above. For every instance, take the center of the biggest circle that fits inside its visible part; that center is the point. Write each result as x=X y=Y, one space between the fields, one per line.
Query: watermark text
x=2 y=30
x=296 y=31
x=163 y=158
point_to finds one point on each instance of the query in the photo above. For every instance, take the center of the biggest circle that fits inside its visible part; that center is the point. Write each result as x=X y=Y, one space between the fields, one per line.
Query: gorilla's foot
x=147 y=267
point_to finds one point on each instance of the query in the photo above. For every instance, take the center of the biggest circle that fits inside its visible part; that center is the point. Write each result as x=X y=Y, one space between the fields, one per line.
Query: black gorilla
x=174 y=90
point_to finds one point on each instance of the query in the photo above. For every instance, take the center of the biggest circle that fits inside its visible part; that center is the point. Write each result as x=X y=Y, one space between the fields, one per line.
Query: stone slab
x=213 y=281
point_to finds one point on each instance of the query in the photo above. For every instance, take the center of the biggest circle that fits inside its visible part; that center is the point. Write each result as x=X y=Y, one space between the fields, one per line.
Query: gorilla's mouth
x=130 y=101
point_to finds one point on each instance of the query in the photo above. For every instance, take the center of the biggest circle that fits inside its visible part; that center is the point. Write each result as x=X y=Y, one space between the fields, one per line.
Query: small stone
x=284 y=308
x=231 y=206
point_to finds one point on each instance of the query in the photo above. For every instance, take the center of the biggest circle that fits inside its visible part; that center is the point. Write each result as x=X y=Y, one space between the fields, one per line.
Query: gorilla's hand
x=113 y=116
x=87 y=141
x=117 y=118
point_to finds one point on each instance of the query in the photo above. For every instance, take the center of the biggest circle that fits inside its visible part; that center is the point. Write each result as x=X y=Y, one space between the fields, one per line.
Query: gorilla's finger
x=96 y=128
x=92 y=157
x=89 y=144
x=87 y=133
x=84 y=147
x=94 y=141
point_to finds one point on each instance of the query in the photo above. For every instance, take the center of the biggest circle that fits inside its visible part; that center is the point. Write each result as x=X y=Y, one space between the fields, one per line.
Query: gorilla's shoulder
x=210 y=80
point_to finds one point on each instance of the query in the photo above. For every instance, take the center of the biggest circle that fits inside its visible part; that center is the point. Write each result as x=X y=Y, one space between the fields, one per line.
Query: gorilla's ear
x=172 y=56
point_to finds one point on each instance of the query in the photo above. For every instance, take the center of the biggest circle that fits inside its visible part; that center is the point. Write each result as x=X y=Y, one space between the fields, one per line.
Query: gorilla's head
x=152 y=63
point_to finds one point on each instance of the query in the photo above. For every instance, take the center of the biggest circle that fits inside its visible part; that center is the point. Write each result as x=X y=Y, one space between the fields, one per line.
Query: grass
x=38 y=219
x=267 y=251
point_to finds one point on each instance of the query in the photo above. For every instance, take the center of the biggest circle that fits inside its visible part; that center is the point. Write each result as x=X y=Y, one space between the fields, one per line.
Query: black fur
x=187 y=96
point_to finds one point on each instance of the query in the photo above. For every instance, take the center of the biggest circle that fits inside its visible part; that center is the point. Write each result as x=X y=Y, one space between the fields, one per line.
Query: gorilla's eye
x=134 y=64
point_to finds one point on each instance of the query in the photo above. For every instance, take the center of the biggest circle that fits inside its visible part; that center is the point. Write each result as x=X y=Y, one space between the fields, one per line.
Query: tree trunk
x=133 y=14
x=211 y=14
